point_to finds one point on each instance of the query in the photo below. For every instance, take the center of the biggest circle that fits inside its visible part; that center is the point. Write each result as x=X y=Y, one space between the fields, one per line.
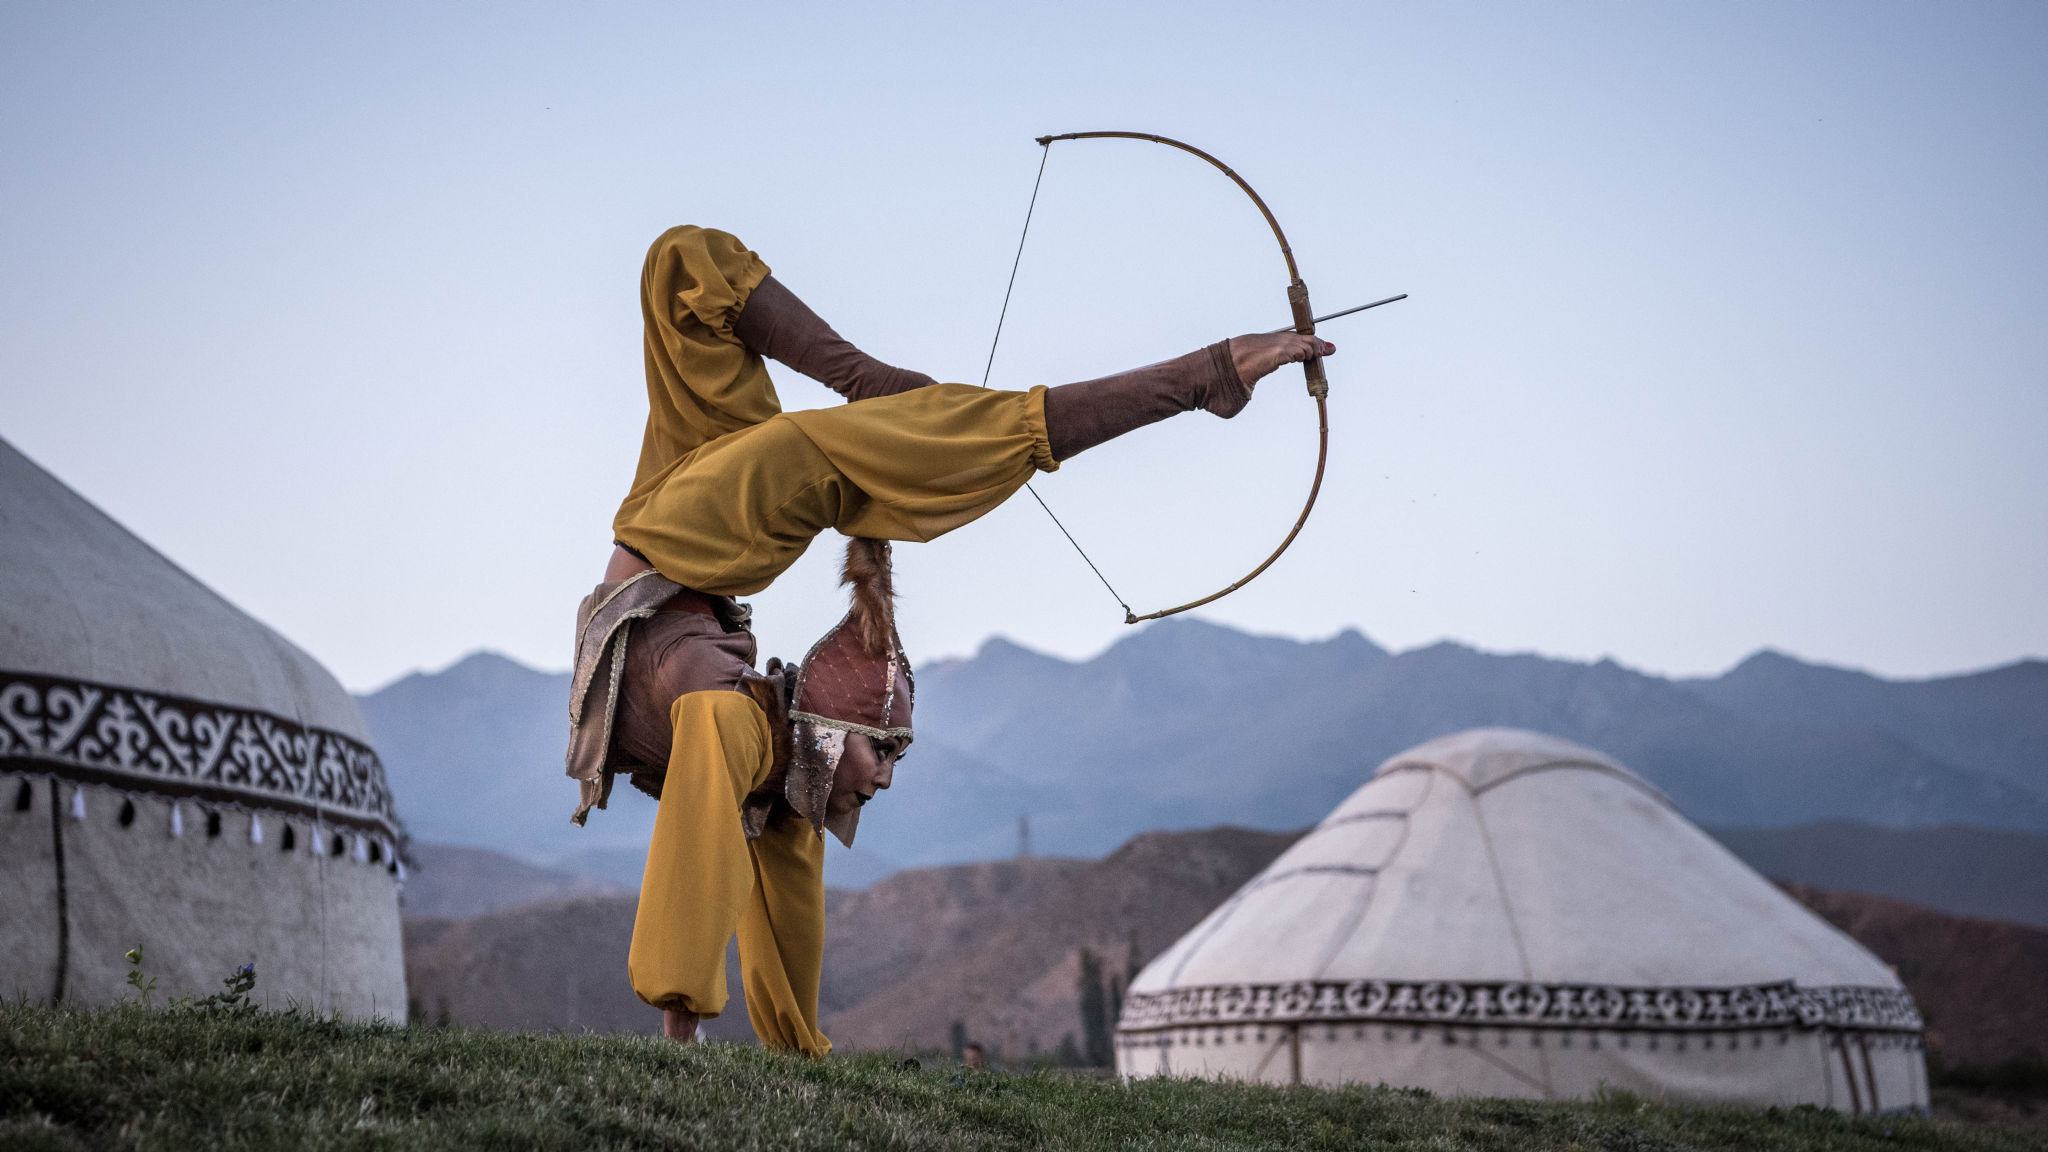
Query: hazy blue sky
x=1726 y=329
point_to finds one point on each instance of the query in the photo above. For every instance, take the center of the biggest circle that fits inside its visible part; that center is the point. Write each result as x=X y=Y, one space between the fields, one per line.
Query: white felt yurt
x=176 y=776
x=1503 y=913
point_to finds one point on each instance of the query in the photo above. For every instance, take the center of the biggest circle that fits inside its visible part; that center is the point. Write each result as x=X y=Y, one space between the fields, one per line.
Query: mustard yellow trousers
x=730 y=489
x=705 y=879
x=734 y=514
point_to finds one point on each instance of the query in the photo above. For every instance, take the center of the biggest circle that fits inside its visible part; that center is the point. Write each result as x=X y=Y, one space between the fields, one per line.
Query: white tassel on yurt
x=362 y=852
x=78 y=802
x=255 y=829
x=177 y=819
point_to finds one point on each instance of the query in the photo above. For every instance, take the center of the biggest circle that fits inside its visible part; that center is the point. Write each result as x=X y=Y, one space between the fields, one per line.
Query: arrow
x=1345 y=312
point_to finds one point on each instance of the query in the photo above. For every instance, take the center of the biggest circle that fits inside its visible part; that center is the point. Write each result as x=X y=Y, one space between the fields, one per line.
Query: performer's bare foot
x=1259 y=354
x=679 y=1025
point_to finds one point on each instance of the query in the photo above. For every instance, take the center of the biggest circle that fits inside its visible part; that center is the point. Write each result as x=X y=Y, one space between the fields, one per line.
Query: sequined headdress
x=847 y=683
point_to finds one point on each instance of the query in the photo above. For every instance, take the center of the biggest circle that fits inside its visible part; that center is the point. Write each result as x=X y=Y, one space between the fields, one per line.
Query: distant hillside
x=1989 y=872
x=1981 y=985
x=995 y=945
x=1981 y=872
x=991 y=944
x=474 y=753
x=1187 y=724
x=449 y=880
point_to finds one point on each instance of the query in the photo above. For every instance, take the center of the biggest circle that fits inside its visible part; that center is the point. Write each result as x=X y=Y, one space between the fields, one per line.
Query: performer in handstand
x=752 y=767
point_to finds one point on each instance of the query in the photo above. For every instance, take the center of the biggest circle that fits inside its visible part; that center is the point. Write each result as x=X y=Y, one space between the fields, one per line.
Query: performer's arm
x=778 y=325
x=782 y=936
x=696 y=887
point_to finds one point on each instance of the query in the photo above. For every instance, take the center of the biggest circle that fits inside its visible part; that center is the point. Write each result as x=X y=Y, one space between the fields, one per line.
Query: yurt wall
x=201 y=893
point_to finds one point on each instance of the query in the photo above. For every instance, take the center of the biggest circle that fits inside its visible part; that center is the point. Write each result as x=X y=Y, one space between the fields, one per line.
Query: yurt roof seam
x=1500 y=887
x=1359 y=817
x=1217 y=919
x=1259 y=883
x=1361 y=907
x=1539 y=1085
x=1613 y=770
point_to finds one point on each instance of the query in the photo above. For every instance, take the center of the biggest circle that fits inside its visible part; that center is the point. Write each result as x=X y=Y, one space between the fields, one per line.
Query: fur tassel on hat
x=868 y=573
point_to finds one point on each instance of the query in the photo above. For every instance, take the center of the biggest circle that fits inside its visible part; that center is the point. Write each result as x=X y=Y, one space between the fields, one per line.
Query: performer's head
x=852 y=705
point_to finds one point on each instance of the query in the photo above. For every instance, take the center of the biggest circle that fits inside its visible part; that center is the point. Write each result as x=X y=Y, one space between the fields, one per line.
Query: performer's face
x=868 y=765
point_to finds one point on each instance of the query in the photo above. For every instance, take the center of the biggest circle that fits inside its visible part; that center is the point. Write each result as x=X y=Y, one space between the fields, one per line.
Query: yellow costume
x=730 y=490
x=705 y=879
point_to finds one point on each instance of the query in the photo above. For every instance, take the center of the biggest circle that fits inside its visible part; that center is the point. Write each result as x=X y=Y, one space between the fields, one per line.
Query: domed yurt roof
x=82 y=598
x=178 y=777
x=1501 y=912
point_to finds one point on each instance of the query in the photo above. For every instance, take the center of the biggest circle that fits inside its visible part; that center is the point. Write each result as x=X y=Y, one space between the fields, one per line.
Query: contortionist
x=752 y=766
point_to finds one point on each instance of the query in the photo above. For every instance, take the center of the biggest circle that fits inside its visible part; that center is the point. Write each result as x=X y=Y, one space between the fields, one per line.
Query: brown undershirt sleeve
x=778 y=325
x=1080 y=416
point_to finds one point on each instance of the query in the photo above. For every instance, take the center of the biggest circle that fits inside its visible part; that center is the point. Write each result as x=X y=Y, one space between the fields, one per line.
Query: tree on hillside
x=1096 y=1022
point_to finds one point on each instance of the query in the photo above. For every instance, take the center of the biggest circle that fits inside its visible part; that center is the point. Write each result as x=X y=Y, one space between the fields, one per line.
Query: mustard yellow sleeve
x=782 y=937
x=700 y=876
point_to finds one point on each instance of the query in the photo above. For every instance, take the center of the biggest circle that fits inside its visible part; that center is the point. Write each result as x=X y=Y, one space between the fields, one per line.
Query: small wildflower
x=143 y=985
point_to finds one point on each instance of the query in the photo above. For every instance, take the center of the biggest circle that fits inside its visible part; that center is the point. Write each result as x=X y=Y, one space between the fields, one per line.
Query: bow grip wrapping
x=1305 y=323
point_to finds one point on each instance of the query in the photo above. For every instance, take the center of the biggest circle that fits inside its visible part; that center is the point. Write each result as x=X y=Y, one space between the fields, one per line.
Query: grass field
x=190 y=1078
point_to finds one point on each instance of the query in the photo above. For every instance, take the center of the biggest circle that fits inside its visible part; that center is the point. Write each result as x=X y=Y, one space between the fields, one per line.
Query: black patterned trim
x=150 y=741
x=1513 y=1005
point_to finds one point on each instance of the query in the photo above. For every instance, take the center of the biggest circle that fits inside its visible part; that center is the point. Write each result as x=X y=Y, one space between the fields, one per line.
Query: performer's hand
x=1257 y=355
x=678 y=1024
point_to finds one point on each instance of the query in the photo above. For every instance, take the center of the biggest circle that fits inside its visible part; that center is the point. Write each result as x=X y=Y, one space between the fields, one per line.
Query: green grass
x=177 y=1079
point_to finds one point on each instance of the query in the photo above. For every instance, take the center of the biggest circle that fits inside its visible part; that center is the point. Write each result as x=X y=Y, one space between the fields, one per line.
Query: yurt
x=1504 y=913
x=175 y=776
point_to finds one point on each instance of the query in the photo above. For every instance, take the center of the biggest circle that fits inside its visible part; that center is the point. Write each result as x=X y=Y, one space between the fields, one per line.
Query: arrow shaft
x=1346 y=312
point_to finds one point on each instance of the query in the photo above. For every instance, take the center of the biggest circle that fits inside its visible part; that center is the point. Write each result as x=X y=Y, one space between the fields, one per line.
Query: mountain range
x=1187 y=724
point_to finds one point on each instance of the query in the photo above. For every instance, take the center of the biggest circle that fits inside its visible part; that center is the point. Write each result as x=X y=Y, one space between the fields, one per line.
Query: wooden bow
x=1304 y=322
